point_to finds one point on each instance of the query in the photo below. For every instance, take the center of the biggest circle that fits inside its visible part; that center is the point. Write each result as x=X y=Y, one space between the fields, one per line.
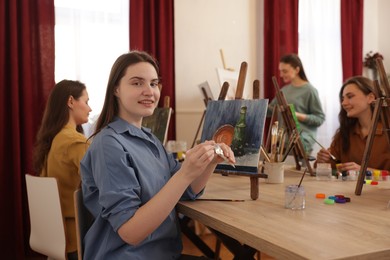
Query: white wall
x=383 y=36
x=202 y=28
x=376 y=35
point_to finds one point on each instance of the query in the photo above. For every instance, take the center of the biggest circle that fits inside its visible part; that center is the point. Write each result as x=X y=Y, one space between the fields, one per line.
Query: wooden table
x=356 y=230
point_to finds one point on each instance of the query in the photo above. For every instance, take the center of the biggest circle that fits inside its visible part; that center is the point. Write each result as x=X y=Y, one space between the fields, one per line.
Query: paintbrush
x=303 y=175
x=274 y=142
x=331 y=155
x=230 y=200
x=266 y=157
x=281 y=137
x=299 y=185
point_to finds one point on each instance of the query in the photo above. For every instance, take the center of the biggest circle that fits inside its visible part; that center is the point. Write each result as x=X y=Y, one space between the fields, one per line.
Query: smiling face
x=355 y=102
x=138 y=93
x=287 y=72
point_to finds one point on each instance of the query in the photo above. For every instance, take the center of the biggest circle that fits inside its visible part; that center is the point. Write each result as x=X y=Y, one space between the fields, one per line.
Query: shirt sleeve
x=119 y=188
x=271 y=107
x=76 y=152
x=316 y=117
x=174 y=167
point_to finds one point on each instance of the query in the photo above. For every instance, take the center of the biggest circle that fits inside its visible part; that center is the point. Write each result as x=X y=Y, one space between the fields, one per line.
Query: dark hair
x=347 y=124
x=110 y=107
x=55 y=117
x=294 y=61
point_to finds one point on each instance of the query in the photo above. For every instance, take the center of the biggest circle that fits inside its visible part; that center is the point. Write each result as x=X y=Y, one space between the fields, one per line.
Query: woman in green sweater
x=300 y=93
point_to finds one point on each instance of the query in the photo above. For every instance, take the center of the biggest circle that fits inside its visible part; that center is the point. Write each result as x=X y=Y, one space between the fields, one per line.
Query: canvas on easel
x=159 y=121
x=230 y=77
x=239 y=124
x=205 y=90
x=223 y=131
x=290 y=123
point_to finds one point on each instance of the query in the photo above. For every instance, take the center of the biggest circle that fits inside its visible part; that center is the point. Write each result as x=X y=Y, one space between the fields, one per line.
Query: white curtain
x=320 y=51
x=89 y=36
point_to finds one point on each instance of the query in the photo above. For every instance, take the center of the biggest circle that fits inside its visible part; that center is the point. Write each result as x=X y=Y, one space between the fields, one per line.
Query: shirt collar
x=121 y=126
x=378 y=131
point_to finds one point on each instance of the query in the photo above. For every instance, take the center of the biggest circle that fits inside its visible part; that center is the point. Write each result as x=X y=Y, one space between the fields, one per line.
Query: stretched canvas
x=206 y=87
x=230 y=77
x=233 y=122
x=159 y=122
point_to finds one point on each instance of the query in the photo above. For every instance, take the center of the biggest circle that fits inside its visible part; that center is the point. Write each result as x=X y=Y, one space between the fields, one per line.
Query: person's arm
x=352 y=166
x=200 y=162
x=324 y=155
x=271 y=107
x=316 y=117
x=200 y=182
x=76 y=152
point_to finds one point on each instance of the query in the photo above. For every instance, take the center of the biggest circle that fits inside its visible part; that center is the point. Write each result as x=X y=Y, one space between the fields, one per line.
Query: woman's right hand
x=197 y=159
x=323 y=156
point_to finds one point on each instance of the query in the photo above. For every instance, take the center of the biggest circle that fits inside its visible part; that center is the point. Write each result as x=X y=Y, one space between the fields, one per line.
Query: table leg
x=194 y=238
x=240 y=251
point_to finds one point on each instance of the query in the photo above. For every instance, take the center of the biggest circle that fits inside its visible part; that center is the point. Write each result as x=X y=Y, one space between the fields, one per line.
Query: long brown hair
x=347 y=124
x=55 y=117
x=294 y=61
x=110 y=107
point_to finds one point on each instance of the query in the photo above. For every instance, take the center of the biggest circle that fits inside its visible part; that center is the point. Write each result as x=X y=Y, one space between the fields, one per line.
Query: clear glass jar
x=323 y=172
x=295 y=197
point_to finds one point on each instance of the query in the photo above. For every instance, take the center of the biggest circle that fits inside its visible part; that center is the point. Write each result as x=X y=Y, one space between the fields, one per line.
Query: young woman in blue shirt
x=130 y=183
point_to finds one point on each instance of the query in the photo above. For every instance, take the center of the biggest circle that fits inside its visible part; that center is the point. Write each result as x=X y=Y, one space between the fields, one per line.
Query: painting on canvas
x=159 y=122
x=239 y=124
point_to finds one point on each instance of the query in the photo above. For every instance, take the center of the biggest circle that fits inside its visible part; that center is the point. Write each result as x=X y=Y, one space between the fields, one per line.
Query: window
x=320 y=51
x=89 y=36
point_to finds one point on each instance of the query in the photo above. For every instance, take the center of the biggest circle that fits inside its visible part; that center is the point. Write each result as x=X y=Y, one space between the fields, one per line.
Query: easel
x=160 y=120
x=299 y=151
x=239 y=250
x=222 y=96
x=254 y=178
x=382 y=108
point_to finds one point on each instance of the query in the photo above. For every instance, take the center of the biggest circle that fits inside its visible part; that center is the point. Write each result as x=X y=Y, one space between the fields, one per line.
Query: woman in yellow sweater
x=61 y=145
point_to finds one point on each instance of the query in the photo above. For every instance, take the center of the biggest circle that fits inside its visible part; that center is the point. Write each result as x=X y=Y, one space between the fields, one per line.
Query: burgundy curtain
x=280 y=37
x=151 y=30
x=26 y=77
x=352 y=37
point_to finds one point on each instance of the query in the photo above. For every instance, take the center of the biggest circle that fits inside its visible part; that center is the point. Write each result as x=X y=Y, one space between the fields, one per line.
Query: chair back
x=84 y=220
x=47 y=224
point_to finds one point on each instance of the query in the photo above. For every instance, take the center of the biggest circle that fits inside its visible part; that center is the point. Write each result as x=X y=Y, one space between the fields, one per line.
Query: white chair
x=84 y=220
x=47 y=225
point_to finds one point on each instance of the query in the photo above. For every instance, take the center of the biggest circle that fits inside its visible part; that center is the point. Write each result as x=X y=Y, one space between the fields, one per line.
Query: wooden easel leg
x=254 y=188
x=197 y=131
x=368 y=147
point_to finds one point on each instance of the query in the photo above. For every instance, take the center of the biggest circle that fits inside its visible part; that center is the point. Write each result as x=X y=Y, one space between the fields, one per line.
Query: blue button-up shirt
x=122 y=170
